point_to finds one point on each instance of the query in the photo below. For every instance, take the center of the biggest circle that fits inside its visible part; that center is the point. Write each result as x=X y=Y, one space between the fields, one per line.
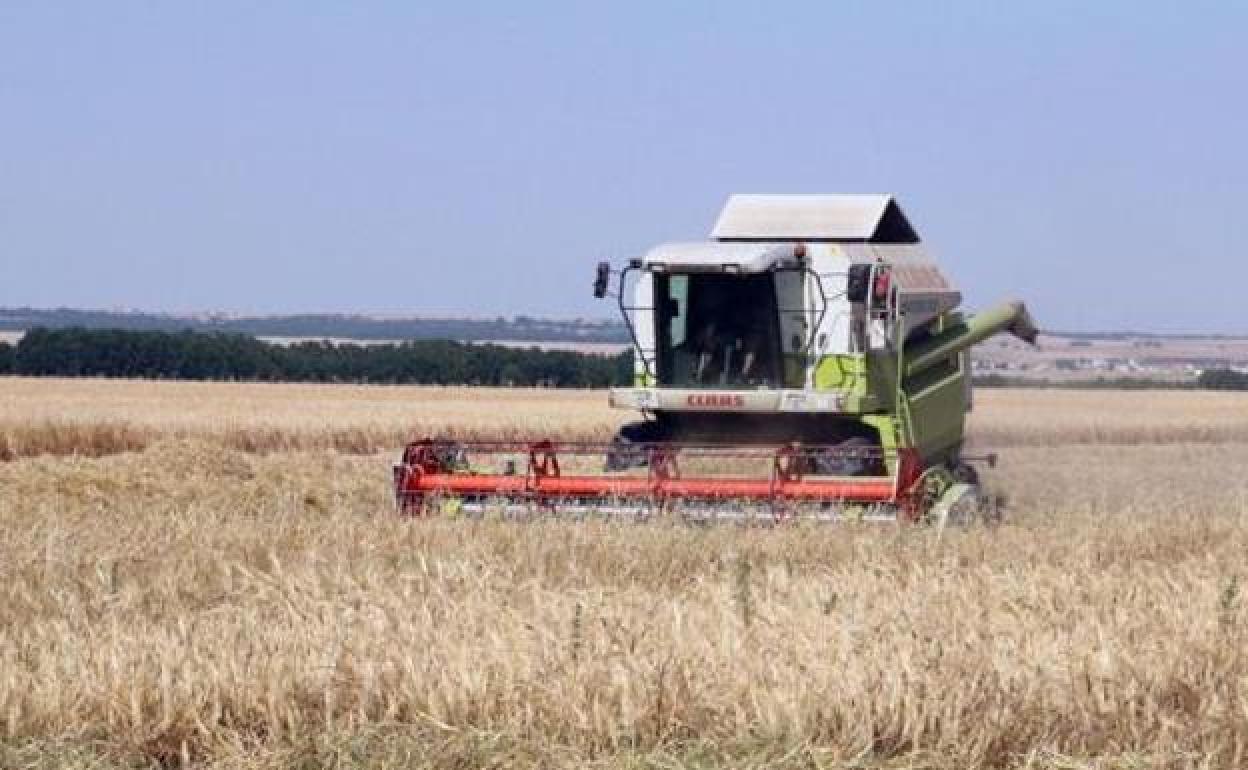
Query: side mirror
x=602 y=278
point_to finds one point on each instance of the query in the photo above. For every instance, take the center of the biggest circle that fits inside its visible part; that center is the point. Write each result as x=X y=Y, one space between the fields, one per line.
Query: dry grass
x=100 y=417
x=195 y=603
x=1016 y=417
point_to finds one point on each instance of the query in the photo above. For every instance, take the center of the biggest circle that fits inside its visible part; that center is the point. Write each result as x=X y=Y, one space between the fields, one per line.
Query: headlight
x=635 y=398
x=810 y=402
x=646 y=399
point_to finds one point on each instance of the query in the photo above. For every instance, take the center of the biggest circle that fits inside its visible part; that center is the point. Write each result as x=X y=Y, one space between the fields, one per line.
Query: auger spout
x=1009 y=317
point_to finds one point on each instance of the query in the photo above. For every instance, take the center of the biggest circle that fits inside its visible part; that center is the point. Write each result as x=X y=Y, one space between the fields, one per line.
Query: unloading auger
x=808 y=361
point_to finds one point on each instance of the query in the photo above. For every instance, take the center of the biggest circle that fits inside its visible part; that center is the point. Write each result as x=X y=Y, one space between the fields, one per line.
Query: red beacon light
x=883 y=282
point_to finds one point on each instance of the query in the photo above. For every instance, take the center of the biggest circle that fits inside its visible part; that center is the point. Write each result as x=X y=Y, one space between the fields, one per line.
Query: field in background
x=1061 y=358
x=99 y=417
x=235 y=592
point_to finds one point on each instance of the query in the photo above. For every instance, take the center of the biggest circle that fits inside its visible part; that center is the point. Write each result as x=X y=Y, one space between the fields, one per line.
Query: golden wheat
x=99 y=417
x=198 y=603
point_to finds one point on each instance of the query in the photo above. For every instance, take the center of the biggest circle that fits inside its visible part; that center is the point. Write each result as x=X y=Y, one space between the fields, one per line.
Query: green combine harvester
x=807 y=361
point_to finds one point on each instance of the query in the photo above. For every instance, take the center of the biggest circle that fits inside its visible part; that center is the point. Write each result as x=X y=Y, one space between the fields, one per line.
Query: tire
x=627 y=448
x=855 y=456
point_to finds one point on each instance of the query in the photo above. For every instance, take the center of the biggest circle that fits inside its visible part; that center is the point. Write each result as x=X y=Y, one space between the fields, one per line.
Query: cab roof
x=853 y=218
x=715 y=256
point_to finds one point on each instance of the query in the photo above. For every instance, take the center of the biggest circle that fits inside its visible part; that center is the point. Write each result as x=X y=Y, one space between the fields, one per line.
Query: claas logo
x=715 y=399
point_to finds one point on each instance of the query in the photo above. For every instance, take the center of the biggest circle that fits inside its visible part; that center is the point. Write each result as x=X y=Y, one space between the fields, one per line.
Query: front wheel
x=628 y=446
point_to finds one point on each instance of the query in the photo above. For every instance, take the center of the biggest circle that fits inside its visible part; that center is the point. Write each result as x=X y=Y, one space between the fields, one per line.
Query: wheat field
x=211 y=575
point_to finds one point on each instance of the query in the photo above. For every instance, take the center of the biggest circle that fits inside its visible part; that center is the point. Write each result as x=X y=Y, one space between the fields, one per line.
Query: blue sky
x=479 y=158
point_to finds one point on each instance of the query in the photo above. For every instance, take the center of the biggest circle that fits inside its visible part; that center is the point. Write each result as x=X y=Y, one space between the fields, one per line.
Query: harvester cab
x=808 y=359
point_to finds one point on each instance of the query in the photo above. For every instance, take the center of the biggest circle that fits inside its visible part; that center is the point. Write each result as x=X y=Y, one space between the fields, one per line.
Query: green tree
x=225 y=356
x=1222 y=379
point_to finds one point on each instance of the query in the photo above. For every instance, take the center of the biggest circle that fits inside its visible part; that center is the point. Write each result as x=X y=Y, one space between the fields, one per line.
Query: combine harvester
x=808 y=361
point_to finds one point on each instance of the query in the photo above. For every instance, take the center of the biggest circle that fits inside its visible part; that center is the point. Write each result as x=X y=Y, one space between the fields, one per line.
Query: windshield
x=717 y=330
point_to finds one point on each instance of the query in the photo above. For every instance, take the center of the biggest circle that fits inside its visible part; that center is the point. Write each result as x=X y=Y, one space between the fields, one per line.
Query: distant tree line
x=192 y=355
x=1098 y=383
x=189 y=355
x=518 y=328
x=1209 y=379
x=1222 y=379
